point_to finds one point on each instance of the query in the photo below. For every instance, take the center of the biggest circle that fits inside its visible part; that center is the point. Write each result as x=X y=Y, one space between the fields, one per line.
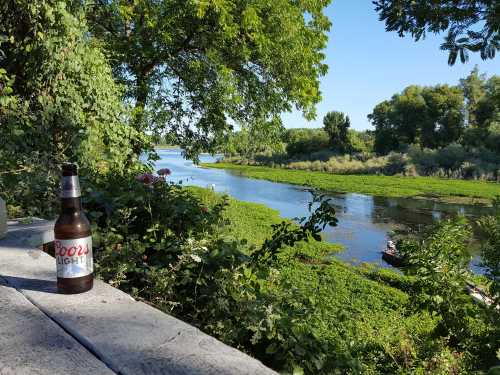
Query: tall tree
x=488 y=107
x=471 y=25
x=409 y=111
x=443 y=119
x=386 y=139
x=195 y=67
x=398 y=121
x=336 y=125
x=473 y=88
x=488 y=115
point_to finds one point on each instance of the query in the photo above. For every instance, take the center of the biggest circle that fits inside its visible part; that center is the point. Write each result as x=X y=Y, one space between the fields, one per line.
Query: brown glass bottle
x=73 y=240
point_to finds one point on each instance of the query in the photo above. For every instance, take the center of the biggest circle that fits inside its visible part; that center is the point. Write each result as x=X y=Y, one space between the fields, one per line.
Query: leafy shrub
x=395 y=164
x=63 y=105
x=489 y=227
x=452 y=156
x=305 y=141
x=361 y=142
x=452 y=161
x=492 y=141
x=440 y=264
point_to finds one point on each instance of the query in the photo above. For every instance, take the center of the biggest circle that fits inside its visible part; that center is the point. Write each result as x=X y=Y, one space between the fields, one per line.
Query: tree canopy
x=434 y=117
x=62 y=101
x=58 y=101
x=193 y=68
x=429 y=116
x=473 y=88
x=336 y=125
x=471 y=25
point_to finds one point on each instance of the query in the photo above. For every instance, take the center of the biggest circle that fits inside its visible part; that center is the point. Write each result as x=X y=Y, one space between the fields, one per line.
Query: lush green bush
x=305 y=141
x=489 y=228
x=456 y=161
x=439 y=262
x=60 y=103
x=327 y=161
x=152 y=237
x=361 y=141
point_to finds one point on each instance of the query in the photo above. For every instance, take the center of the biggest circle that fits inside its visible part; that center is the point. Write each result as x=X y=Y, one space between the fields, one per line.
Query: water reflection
x=364 y=221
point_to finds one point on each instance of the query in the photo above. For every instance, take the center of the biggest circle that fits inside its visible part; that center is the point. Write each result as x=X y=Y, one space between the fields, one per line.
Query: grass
x=462 y=191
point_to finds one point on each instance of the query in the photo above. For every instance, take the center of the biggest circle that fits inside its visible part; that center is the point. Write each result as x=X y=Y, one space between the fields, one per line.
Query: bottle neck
x=70 y=186
x=71 y=205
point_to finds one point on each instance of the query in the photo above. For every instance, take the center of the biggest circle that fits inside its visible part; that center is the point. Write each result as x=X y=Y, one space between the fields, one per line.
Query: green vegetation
x=58 y=103
x=391 y=186
x=161 y=146
x=253 y=222
x=239 y=272
x=99 y=83
x=489 y=230
x=431 y=117
x=305 y=141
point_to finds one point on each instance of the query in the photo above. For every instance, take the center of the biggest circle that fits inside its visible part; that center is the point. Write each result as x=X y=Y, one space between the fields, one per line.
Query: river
x=364 y=222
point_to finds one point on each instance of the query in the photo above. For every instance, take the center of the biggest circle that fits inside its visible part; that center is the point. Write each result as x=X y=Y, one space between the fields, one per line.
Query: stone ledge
x=31 y=343
x=128 y=336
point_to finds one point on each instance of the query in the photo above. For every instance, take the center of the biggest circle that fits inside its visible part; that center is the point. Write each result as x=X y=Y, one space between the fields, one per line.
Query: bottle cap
x=69 y=169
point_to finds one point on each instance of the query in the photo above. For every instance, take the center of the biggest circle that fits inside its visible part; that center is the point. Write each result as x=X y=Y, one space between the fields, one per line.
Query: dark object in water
x=393 y=258
x=479 y=295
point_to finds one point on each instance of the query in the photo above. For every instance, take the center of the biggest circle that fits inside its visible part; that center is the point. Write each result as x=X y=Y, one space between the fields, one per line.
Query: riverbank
x=167 y=147
x=446 y=190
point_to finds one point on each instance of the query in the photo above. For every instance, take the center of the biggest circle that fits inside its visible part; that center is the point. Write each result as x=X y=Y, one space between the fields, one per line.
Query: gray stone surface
x=31 y=343
x=129 y=336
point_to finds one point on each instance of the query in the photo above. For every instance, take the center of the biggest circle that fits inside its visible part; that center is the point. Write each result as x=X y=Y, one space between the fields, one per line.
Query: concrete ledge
x=130 y=337
x=31 y=343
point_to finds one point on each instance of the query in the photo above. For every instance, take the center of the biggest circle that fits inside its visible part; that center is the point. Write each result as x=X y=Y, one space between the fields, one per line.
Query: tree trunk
x=141 y=97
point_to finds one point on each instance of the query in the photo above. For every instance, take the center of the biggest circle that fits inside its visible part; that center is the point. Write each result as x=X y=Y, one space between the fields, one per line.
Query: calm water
x=364 y=221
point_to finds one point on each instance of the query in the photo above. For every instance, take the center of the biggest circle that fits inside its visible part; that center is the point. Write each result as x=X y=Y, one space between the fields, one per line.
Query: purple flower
x=146 y=178
x=164 y=172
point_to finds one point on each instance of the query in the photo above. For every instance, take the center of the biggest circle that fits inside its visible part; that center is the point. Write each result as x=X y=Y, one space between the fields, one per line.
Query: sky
x=368 y=65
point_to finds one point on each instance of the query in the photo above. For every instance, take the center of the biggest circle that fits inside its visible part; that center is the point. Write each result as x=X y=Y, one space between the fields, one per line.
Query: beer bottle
x=73 y=240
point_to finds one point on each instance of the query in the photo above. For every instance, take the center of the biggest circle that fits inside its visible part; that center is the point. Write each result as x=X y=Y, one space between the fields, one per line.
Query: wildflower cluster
x=150 y=179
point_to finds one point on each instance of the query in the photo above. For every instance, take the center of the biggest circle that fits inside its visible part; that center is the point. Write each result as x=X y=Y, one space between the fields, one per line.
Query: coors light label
x=74 y=257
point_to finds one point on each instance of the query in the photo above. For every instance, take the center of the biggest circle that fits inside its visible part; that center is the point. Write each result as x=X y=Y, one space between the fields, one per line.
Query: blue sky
x=368 y=64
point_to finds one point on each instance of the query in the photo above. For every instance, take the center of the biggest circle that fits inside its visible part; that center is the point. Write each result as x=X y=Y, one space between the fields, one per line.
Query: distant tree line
x=434 y=117
x=442 y=130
